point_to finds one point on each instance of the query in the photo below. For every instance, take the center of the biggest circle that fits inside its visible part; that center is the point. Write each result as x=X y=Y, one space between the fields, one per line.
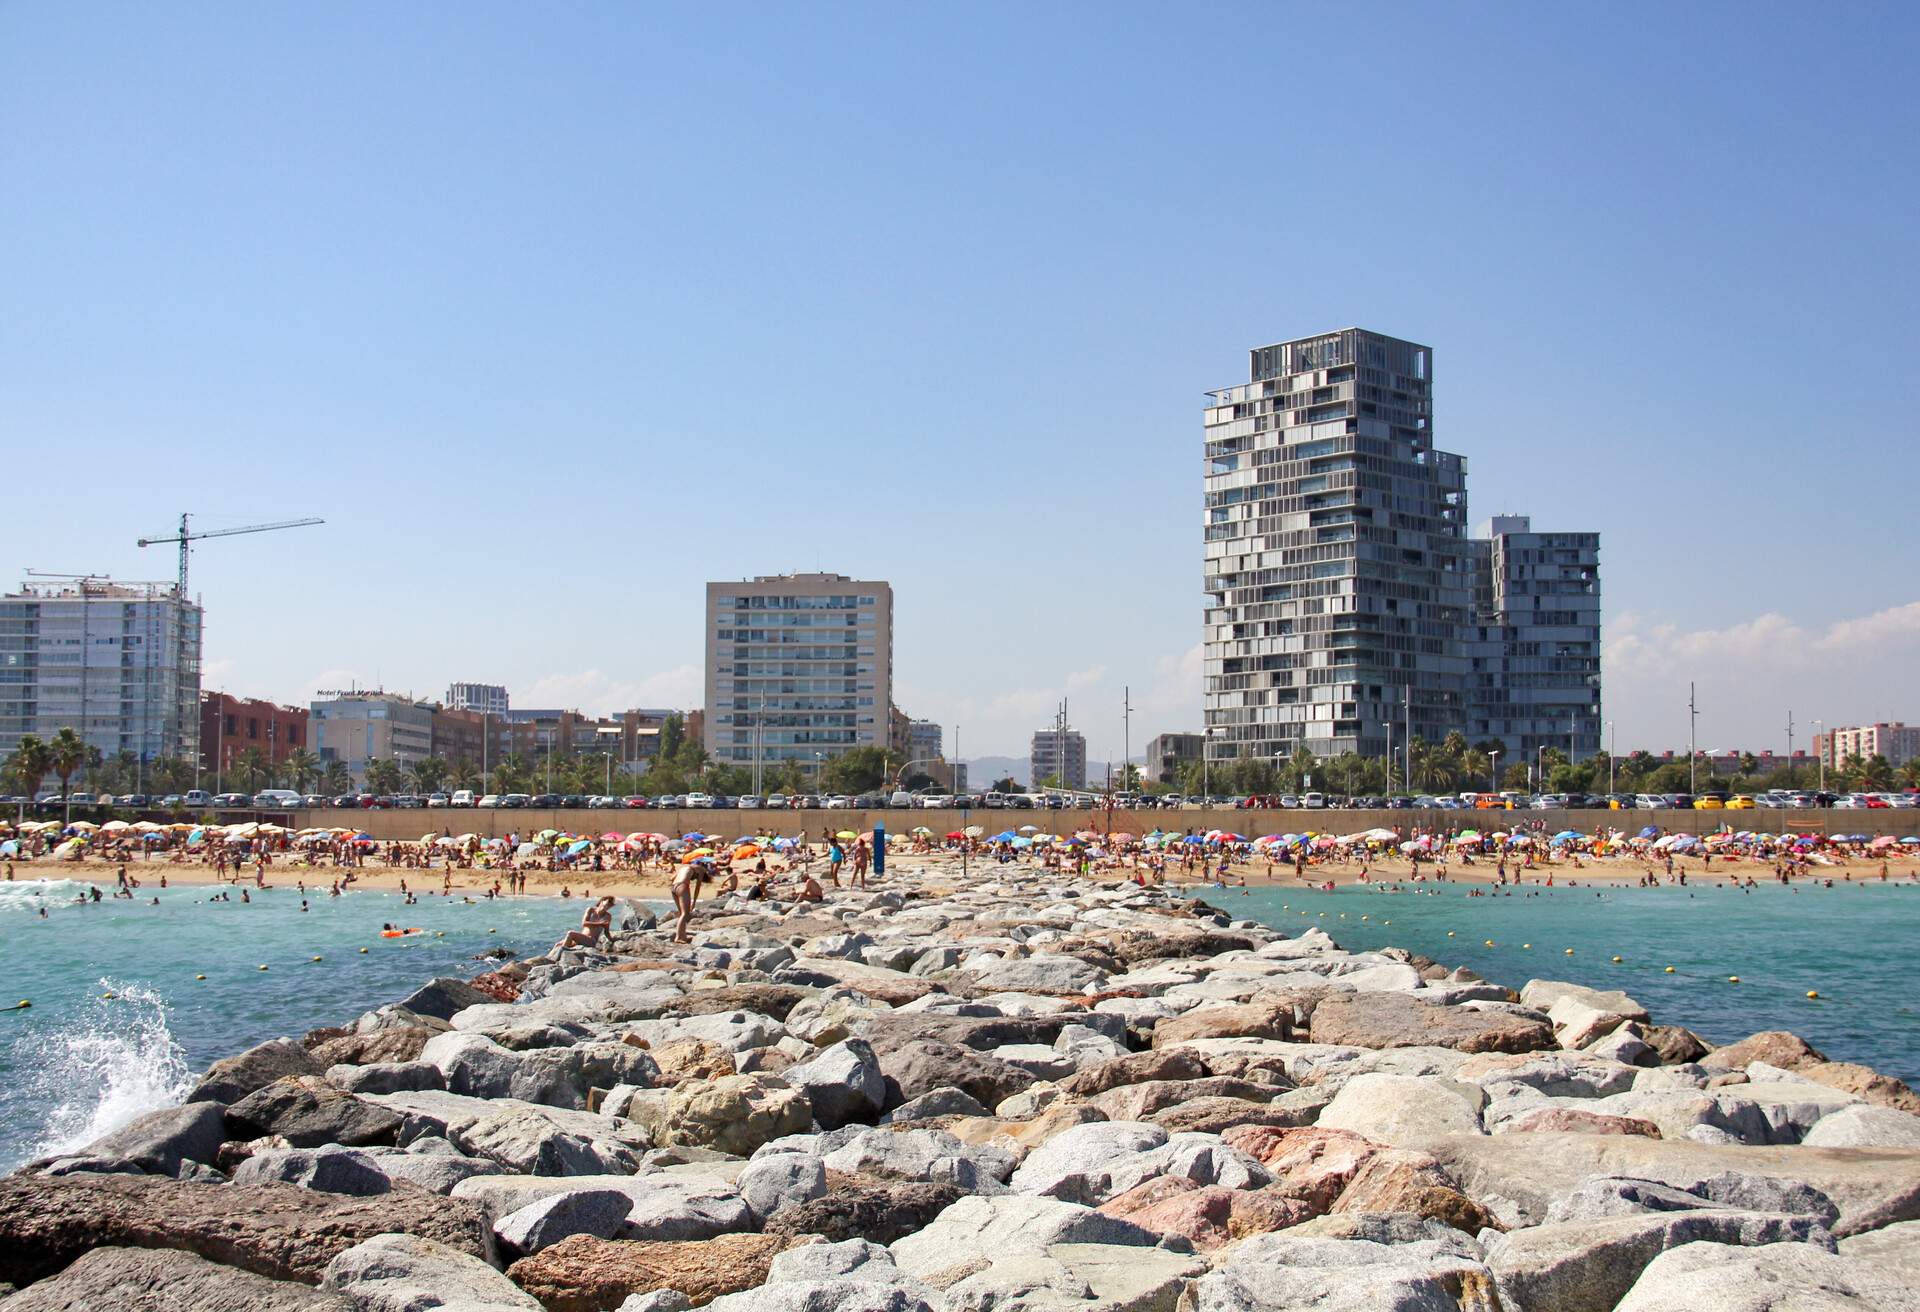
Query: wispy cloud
x=598 y=693
x=1750 y=674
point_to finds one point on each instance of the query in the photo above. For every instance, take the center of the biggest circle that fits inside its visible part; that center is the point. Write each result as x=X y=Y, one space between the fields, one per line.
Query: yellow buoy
x=316 y=958
x=1386 y=922
x=24 y=1004
x=199 y=976
x=1616 y=961
x=1669 y=970
x=106 y=997
x=493 y=931
x=1813 y=993
x=1489 y=942
x=363 y=951
x=1449 y=933
x=1526 y=945
x=263 y=967
x=1569 y=951
x=1733 y=979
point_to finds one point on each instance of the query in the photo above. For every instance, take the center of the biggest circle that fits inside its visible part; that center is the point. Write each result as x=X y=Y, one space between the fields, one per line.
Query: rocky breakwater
x=1019 y=1094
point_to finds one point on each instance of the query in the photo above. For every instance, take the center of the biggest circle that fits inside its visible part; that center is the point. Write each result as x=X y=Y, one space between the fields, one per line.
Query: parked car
x=698 y=801
x=489 y=801
x=462 y=797
x=518 y=801
x=311 y=800
x=437 y=799
x=172 y=801
x=1740 y=802
x=637 y=803
x=276 y=799
x=345 y=801
x=223 y=800
x=838 y=802
x=410 y=801
x=544 y=801
x=133 y=801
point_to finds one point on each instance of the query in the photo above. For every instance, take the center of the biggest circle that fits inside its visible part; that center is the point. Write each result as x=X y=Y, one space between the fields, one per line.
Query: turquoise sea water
x=1857 y=945
x=77 y=1064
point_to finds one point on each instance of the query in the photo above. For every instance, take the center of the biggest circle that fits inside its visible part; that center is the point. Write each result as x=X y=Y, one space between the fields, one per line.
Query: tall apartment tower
x=799 y=667
x=1058 y=754
x=1337 y=569
x=1533 y=649
x=118 y=663
x=486 y=698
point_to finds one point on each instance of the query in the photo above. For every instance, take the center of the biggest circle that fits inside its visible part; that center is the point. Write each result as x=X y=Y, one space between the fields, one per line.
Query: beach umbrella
x=1023 y=842
x=922 y=830
x=849 y=834
x=363 y=837
x=1004 y=836
x=115 y=827
x=696 y=854
x=973 y=831
x=82 y=827
x=1911 y=842
x=10 y=848
x=427 y=837
x=1029 y=829
x=578 y=846
x=951 y=835
x=1122 y=837
x=611 y=837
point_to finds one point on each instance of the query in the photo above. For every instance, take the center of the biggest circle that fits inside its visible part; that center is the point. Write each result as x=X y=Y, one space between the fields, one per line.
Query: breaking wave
x=112 y=1063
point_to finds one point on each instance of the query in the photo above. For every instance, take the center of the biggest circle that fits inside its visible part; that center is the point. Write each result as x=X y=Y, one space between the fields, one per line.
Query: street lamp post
x=1493 y=760
x=1540 y=768
x=1609 y=756
x=1819 y=753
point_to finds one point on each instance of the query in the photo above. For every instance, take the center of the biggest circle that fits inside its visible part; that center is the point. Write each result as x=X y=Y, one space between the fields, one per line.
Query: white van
x=462 y=797
x=1313 y=801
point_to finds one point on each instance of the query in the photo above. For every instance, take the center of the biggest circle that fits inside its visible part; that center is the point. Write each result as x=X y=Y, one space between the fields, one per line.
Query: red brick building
x=229 y=726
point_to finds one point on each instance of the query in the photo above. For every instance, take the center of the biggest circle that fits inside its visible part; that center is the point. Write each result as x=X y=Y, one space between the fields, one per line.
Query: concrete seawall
x=490 y=822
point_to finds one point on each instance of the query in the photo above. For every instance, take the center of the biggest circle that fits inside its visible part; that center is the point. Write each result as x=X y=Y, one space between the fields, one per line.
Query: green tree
x=429 y=772
x=248 y=769
x=785 y=778
x=673 y=731
x=1514 y=776
x=65 y=755
x=462 y=774
x=858 y=771
x=31 y=762
x=335 y=778
x=1005 y=784
x=301 y=766
x=384 y=775
x=170 y=774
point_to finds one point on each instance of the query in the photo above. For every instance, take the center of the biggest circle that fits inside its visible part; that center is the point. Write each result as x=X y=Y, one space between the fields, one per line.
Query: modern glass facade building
x=799 y=667
x=118 y=663
x=1346 y=608
x=1533 y=650
x=1337 y=572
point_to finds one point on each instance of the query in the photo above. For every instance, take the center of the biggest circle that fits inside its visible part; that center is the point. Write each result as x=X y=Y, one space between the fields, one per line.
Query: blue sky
x=556 y=314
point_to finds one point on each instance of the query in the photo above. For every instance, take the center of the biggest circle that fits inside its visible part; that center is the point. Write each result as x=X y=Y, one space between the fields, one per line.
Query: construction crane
x=184 y=537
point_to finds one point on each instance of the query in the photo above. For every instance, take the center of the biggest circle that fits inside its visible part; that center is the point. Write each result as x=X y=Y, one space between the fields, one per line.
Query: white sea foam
x=29 y=895
x=114 y=1062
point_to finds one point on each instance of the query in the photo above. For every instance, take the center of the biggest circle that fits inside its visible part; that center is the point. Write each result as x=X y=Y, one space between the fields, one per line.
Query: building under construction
x=118 y=663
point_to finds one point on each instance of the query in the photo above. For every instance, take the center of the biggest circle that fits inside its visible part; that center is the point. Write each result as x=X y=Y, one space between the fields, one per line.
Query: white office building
x=799 y=667
x=118 y=663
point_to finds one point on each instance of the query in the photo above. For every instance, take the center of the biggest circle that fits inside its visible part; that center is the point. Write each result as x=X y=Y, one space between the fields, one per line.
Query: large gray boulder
x=1864 y=1126
x=1783 y=1277
x=525 y=1141
x=332 y=1169
x=387 y=1077
x=1044 y=973
x=843 y=1084
x=401 y=1273
x=1405 y=1111
x=166 y=1280
x=546 y=1221
x=232 y=1078
x=1587 y=1266
x=1519 y=1175
x=1426 y=1268
x=437 y=1172
x=781 y=1180
x=928 y=1155
x=308 y=1112
x=939 y=1102
x=476 y=1066
x=443 y=998
x=1077 y=1165
x=979 y=1230
x=160 y=1141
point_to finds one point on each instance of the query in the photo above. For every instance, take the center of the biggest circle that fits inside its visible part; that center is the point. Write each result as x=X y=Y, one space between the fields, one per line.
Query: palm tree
x=336 y=778
x=429 y=773
x=66 y=754
x=301 y=766
x=1475 y=765
x=249 y=767
x=384 y=776
x=32 y=760
x=462 y=775
x=170 y=774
